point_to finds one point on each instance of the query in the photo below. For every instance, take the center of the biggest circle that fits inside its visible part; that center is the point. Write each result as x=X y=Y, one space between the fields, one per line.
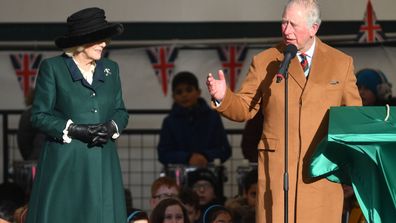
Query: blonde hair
x=73 y=50
x=312 y=10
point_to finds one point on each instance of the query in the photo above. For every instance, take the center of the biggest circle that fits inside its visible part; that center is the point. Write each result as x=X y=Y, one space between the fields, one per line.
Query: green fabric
x=360 y=150
x=74 y=182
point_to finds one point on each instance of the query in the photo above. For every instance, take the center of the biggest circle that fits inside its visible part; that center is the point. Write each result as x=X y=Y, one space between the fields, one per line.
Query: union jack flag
x=370 y=31
x=163 y=61
x=26 y=66
x=232 y=58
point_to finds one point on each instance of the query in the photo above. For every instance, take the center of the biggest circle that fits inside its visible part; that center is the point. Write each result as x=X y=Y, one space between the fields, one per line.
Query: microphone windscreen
x=292 y=49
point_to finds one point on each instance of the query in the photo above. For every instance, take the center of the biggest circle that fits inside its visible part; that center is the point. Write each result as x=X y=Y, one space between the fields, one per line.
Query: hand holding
x=87 y=133
x=198 y=160
x=106 y=131
x=217 y=88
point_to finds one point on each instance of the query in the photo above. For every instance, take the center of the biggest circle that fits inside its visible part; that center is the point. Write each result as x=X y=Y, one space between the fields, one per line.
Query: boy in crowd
x=206 y=185
x=243 y=207
x=163 y=187
x=192 y=134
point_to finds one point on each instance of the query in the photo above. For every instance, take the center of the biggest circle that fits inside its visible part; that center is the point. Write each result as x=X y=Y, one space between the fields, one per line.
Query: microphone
x=290 y=52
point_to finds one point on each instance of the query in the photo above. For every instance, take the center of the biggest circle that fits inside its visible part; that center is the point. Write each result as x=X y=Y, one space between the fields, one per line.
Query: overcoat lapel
x=296 y=72
x=318 y=74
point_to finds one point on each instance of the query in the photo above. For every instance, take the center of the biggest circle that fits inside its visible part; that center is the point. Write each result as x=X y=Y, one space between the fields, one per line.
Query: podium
x=360 y=150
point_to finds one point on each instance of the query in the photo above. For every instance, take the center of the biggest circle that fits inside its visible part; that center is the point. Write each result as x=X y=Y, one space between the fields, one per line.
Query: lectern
x=360 y=150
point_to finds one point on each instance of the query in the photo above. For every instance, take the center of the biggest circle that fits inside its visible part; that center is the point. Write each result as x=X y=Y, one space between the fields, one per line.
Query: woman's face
x=174 y=214
x=94 y=51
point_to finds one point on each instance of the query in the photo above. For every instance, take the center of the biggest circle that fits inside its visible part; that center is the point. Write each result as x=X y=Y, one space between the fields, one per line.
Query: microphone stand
x=286 y=166
x=290 y=53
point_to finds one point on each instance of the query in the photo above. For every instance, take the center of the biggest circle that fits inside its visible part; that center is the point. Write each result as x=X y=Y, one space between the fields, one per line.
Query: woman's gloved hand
x=109 y=129
x=88 y=133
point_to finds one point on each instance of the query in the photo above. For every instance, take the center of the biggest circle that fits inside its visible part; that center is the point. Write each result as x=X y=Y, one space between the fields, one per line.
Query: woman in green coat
x=79 y=106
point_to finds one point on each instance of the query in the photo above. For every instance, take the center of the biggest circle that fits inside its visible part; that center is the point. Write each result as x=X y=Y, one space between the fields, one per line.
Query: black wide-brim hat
x=88 y=26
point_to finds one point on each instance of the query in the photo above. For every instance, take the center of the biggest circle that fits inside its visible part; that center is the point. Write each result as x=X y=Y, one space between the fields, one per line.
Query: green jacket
x=76 y=183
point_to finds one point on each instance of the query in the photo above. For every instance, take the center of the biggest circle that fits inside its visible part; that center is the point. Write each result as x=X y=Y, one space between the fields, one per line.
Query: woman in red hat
x=78 y=104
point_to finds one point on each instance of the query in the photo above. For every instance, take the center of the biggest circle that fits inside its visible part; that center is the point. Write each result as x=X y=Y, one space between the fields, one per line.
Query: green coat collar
x=98 y=77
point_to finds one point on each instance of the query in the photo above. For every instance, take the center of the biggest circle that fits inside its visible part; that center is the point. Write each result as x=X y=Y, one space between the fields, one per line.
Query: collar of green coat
x=77 y=75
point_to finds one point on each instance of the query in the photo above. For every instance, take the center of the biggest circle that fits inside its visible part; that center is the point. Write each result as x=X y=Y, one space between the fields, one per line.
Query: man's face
x=295 y=29
x=162 y=193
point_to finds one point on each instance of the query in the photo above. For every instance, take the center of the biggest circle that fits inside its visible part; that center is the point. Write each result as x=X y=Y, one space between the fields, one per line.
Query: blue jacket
x=195 y=130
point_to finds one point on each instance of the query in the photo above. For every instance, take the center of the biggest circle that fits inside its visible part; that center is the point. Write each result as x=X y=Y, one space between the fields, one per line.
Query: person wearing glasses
x=205 y=184
x=78 y=104
x=162 y=188
x=192 y=134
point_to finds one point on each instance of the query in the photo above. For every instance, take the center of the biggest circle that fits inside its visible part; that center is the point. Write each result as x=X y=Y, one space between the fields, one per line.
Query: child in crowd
x=161 y=188
x=190 y=200
x=192 y=134
x=217 y=214
x=206 y=185
x=374 y=88
x=243 y=207
x=138 y=216
x=169 y=210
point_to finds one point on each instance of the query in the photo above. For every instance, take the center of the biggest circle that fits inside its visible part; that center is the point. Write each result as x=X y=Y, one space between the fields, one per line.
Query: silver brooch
x=107 y=71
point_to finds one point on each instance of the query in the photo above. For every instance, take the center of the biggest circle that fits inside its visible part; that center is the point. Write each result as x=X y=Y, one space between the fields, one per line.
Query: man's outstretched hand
x=217 y=88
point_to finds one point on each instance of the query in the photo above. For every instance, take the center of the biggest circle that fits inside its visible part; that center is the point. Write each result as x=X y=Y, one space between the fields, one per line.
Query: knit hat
x=87 y=26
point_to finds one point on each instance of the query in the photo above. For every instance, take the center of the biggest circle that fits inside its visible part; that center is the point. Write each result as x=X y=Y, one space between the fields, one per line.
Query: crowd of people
x=79 y=108
x=194 y=202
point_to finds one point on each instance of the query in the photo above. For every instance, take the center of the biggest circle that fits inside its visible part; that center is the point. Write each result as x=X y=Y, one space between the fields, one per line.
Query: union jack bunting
x=163 y=62
x=26 y=66
x=370 y=31
x=232 y=58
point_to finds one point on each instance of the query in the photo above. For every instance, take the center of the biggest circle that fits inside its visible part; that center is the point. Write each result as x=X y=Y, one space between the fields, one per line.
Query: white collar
x=309 y=53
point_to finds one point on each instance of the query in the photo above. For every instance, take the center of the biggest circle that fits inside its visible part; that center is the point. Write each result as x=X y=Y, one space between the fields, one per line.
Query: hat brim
x=111 y=30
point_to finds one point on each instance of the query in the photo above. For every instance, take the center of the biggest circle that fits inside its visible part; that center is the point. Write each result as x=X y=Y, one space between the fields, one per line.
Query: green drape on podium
x=360 y=150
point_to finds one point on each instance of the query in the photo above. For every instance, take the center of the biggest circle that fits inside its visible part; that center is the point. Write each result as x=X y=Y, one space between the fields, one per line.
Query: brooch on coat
x=107 y=71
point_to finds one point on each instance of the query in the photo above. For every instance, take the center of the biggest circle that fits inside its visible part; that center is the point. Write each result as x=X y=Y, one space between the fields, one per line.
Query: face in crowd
x=162 y=193
x=205 y=191
x=174 y=214
x=186 y=95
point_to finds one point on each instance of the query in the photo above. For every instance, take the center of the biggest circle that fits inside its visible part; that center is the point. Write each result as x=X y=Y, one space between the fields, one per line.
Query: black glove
x=108 y=129
x=87 y=133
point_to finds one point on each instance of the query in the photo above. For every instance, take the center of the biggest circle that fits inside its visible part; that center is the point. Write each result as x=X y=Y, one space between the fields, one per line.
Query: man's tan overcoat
x=331 y=82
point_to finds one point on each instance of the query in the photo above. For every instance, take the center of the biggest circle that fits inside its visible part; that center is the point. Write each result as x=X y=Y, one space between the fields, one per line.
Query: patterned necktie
x=304 y=62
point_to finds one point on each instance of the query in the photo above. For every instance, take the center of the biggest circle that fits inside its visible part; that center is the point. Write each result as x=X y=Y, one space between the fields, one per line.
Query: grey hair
x=312 y=10
x=73 y=50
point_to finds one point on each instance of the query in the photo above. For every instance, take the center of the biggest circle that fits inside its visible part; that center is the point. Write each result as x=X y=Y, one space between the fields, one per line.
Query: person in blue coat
x=78 y=104
x=192 y=134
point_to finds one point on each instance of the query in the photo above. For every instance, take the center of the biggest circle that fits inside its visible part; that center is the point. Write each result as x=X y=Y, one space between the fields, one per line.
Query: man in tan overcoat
x=328 y=81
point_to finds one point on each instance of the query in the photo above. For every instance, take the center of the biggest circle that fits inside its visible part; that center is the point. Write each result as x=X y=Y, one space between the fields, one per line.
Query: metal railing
x=137 y=153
